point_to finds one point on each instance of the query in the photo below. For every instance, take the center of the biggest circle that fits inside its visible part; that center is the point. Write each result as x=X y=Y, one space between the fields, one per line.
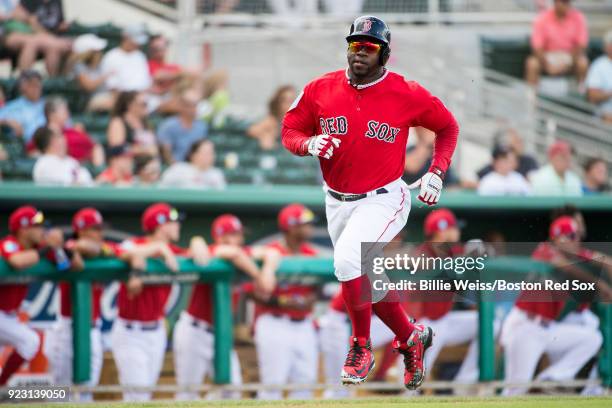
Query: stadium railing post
x=223 y=329
x=605 y=361
x=81 y=328
x=486 y=341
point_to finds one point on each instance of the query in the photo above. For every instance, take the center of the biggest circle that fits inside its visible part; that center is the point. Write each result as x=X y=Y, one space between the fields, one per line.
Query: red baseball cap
x=562 y=227
x=439 y=220
x=87 y=217
x=24 y=217
x=294 y=214
x=159 y=214
x=225 y=224
x=559 y=147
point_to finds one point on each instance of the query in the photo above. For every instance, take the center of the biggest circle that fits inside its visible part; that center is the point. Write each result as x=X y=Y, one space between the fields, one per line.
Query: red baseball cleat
x=359 y=362
x=413 y=351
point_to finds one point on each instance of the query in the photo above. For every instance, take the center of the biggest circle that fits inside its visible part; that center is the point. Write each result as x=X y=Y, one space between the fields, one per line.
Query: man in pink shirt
x=558 y=43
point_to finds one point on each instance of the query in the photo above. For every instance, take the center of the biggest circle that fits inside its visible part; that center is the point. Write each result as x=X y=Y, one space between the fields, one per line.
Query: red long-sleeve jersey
x=372 y=122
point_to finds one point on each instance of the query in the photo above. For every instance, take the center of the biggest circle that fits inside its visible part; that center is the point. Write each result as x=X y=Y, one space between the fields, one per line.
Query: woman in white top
x=198 y=171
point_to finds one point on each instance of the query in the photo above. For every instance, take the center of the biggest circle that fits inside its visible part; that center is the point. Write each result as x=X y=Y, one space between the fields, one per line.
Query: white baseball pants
x=139 y=356
x=568 y=347
x=287 y=353
x=194 y=351
x=454 y=328
x=18 y=335
x=59 y=350
x=376 y=218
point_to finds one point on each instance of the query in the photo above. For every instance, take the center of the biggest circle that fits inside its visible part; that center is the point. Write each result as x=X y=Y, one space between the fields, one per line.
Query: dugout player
x=285 y=336
x=138 y=335
x=531 y=328
x=88 y=242
x=194 y=339
x=26 y=244
x=356 y=121
x=452 y=327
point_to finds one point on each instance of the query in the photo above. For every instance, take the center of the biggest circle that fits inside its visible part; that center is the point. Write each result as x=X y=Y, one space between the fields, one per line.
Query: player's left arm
x=437 y=118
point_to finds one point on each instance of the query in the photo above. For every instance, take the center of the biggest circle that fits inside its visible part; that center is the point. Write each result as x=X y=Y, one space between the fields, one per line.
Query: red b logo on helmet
x=367 y=25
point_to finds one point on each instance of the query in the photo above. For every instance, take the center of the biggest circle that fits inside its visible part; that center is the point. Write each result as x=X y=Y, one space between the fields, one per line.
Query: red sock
x=395 y=317
x=357 y=298
x=12 y=365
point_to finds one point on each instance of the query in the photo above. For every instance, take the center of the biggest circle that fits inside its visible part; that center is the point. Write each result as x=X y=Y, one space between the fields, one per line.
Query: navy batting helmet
x=374 y=28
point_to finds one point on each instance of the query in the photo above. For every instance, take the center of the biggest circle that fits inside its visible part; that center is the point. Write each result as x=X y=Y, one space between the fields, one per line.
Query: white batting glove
x=323 y=145
x=431 y=187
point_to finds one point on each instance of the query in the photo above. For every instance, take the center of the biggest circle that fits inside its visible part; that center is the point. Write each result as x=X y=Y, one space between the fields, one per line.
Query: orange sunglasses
x=370 y=47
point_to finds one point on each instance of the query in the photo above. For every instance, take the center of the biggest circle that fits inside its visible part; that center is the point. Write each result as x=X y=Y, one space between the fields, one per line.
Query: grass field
x=424 y=402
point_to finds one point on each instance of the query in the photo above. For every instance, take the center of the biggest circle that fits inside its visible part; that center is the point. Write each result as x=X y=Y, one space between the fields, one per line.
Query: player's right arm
x=23 y=259
x=299 y=129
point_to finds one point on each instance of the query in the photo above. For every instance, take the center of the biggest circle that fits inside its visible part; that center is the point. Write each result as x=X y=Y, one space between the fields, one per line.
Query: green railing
x=220 y=274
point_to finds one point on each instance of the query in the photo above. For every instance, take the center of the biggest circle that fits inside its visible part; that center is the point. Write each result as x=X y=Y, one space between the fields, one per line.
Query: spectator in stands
x=267 y=130
x=599 y=81
x=126 y=65
x=147 y=169
x=558 y=43
x=54 y=166
x=556 y=178
x=418 y=159
x=33 y=28
x=511 y=139
x=163 y=74
x=168 y=80
x=198 y=171
x=129 y=124
x=120 y=170
x=86 y=69
x=178 y=133
x=595 y=176
x=216 y=96
x=80 y=144
x=27 y=113
x=504 y=179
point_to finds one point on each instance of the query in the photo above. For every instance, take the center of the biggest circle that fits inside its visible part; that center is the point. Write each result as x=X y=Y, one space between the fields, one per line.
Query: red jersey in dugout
x=372 y=122
x=200 y=304
x=109 y=248
x=11 y=295
x=290 y=290
x=550 y=303
x=444 y=300
x=149 y=304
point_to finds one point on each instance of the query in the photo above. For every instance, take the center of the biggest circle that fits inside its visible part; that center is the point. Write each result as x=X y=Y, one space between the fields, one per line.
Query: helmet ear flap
x=385 y=52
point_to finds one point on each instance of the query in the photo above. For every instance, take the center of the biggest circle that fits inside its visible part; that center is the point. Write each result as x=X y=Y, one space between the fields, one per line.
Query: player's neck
x=366 y=79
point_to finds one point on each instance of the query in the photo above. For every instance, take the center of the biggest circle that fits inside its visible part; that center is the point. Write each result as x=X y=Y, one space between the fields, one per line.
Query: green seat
x=21 y=169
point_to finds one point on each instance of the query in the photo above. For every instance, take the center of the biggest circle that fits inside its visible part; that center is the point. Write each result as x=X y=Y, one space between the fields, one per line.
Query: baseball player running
x=24 y=247
x=531 y=328
x=138 y=335
x=356 y=122
x=88 y=242
x=285 y=336
x=194 y=339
